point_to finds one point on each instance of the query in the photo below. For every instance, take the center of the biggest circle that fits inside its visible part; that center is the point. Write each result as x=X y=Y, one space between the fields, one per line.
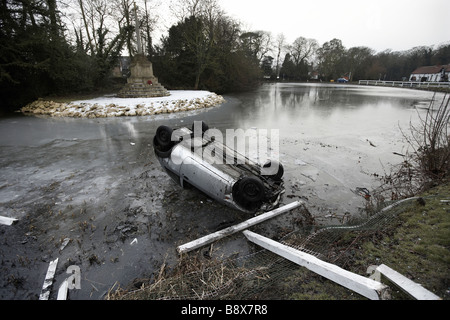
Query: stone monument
x=141 y=83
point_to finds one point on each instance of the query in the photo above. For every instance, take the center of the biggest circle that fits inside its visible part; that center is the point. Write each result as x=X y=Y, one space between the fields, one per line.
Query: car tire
x=280 y=172
x=161 y=153
x=164 y=138
x=250 y=191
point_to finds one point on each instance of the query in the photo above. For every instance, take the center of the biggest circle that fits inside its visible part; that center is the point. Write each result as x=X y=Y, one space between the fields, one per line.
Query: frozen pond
x=98 y=183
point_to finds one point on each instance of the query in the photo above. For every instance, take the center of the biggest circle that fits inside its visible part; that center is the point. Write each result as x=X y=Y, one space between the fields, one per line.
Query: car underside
x=220 y=172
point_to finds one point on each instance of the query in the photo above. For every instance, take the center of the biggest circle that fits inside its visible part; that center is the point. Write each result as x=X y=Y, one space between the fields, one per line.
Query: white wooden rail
x=410 y=287
x=236 y=228
x=62 y=291
x=365 y=286
x=7 y=221
x=48 y=282
x=405 y=84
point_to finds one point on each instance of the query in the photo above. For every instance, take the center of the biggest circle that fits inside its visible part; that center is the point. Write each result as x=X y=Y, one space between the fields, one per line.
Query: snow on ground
x=112 y=106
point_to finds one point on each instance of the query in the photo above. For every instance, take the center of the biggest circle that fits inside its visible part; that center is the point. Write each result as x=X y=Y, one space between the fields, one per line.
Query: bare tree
x=201 y=18
x=280 y=46
x=257 y=44
x=149 y=21
x=96 y=16
x=302 y=50
x=330 y=57
x=124 y=17
x=183 y=9
x=86 y=27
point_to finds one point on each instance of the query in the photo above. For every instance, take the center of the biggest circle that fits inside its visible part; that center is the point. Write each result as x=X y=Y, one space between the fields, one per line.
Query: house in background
x=431 y=74
x=313 y=75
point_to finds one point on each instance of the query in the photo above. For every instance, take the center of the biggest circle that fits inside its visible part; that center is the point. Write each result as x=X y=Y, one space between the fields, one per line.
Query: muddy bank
x=97 y=198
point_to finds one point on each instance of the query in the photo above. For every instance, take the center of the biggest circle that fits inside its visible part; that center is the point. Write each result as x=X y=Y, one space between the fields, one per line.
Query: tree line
x=54 y=47
x=332 y=60
x=39 y=58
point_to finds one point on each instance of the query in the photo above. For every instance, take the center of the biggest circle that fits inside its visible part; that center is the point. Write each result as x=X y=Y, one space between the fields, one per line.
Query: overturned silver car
x=201 y=161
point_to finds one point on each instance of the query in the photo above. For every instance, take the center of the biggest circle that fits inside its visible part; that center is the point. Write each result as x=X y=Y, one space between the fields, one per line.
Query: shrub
x=427 y=162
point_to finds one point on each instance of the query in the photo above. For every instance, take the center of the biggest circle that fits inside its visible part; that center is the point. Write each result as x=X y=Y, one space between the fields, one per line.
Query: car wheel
x=161 y=153
x=278 y=166
x=251 y=190
x=164 y=137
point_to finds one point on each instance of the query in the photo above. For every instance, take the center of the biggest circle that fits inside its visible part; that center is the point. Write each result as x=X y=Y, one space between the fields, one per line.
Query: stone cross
x=138 y=31
x=141 y=83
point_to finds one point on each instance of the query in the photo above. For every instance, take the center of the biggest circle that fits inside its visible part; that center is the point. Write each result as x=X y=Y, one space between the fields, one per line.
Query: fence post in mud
x=72 y=282
x=48 y=282
x=236 y=228
x=364 y=286
x=7 y=221
x=62 y=291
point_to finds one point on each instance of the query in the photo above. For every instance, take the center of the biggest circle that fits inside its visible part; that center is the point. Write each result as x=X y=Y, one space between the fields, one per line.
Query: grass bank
x=416 y=244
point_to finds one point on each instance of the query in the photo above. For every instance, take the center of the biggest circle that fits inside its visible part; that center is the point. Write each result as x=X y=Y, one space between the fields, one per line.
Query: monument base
x=142 y=83
x=142 y=88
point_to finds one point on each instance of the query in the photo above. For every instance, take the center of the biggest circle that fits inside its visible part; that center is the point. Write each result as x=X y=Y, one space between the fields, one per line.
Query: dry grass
x=193 y=278
x=427 y=161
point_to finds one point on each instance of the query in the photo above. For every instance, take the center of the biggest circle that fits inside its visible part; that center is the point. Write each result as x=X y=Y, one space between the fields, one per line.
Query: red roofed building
x=431 y=74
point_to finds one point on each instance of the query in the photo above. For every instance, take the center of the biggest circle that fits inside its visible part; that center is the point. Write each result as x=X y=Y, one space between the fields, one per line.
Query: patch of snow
x=111 y=106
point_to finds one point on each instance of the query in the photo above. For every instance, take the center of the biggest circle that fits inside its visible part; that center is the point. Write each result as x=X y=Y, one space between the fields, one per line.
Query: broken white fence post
x=236 y=228
x=7 y=221
x=367 y=287
x=72 y=282
x=45 y=293
x=414 y=289
x=62 y=291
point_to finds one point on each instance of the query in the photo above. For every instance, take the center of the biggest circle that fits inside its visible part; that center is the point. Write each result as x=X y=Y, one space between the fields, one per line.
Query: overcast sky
x=377 y=24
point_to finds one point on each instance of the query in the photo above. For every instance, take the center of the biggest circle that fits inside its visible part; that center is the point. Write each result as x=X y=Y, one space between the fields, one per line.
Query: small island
x=113 y=106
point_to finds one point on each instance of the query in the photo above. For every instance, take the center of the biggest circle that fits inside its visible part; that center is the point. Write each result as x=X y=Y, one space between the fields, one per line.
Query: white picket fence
x=405 y=84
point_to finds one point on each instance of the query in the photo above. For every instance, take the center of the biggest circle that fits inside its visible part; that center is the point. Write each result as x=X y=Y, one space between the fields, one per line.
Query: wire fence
x=258 y=275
